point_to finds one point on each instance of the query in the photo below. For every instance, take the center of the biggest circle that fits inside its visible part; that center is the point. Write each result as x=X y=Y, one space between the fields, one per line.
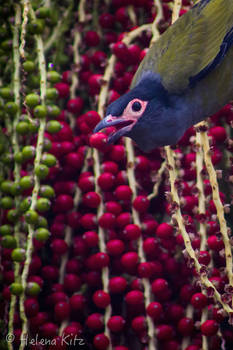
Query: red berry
x=101 y=341
x=186 y=326
x=159 y=286
x=98 y=261
x=209 y=328
x=145 y=270
x=49 y=330
x=99 y=141
x=91 y=238
x=150 y=246
x=106 y=181
x=218 y=133
x=106 y=20
x=116 y=323
x=86 y=183
x=204 y=257
x=199 y=300
x=31 y=306
x=164 y=231
x=107 y=220
x=131 y=232
x=154 y=310
x=88 y=221
x=134 y=297
x=115 y=247
x=117 y=284
x=129 y=260
x=124 y=219
x=215 y=243
x=141 y=204
x=164 y=332
x=91 y=38
x=72 y=282
x=95 y=321
x=77 y=302
x=120 y=50
x=117 y=153
x=62 y=310
x=63 y=203
x=101 y=299
x=91 y=199
x=63 y=89
x=123 y=192
x=59 y=246
x=139 y=324
x=113 y=207
x=94 y=83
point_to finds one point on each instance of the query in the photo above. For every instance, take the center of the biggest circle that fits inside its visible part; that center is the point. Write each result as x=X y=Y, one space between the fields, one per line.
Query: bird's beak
x=122 y=124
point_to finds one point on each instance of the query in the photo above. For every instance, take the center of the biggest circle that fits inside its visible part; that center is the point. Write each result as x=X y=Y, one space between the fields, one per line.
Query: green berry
x=33 y=81
x=29 y=66
x=53 y=111
x=6 y=45
x=8 y=242
x=53 y=76
x=6 y=93
x=18 y=157
x=47 y=145
x=16 y=189
x=7 y=159
x=43 y=204
x=6 y=230
x=51 y=94
x=25 y=205
x=16 y=288
x=42 y=222
x=43 y=12
x=33 y=126
x=36 y=26
x=41 y=171
x=32 y=100
x=26 y=182
x=40 y=111
x=11 y=108
x=6 y=186
x=31 y=217
x=47 y=191
x=33 y=289
x=48 y=159
x=28 y=152
x=42 y=234
x=6 y=202
x=12 y=215
x=18 y=254
x=53 y=126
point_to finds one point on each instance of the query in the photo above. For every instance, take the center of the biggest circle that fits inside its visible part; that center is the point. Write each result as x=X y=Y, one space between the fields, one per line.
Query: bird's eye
x=136 y=106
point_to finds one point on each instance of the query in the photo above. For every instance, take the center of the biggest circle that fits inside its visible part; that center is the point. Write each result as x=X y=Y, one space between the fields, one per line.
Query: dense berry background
x=92 y=251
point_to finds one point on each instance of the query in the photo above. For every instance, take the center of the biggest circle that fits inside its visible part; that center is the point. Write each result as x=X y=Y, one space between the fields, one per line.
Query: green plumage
x=190 y=45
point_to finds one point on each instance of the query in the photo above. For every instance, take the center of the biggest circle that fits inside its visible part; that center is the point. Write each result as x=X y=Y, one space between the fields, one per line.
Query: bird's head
x=141 y=114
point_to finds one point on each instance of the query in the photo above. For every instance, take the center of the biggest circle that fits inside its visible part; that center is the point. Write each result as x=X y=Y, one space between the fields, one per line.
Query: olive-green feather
x=189 y=45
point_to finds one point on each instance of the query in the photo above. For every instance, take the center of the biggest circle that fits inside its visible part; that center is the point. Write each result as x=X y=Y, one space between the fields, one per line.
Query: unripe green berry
x=53 y=126
x=6 y=230
x=42 y=222
x=36 y=26
x=16 y=288
x=22 y=128
x=31 y=217
x=18 y=157
x=33 y=126
x=13 y=215
x=54 y=77
x=47 y=145
x=8 y=242
x=18 y=254
x=26 y=182
x=33 y=81
x=43 y=12
x=11 y=108
x=51 y=94
x=40 y=111
x=6 y=202
x=7 y=159
x=6 y=45
x=43 y=204
x=47 y=191
x=33 y=288
x=32 y=100
x=42 y=234
x=29 y=66
x=16 y=189
x=41 y=171
x=25 y=205
x=28 y=152
x=48 y=159
x=6 y=93
x=6 y=186
x=53 y=111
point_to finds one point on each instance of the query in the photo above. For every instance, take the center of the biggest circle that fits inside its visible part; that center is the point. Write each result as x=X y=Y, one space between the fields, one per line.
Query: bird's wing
x=193 y=46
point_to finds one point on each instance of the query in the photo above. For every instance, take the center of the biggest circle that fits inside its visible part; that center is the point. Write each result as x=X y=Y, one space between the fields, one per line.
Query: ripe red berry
x=101 y=341
x=139 y=324
x=116 y=323
x=199 y=300
x=141 y=204
x=62 y=310
x=218 y=133
x=91 y=238
x=145 y=270
x=115 y=247
x=134 y=297
x=123 y=219
x=101 y=299
x=72 y=283
x=215 y=243
x=129 y=260
x=107 y=220
x=88 y=221
x=63 y=89
x=106 y=20
x=164 y=332
x=120 y=50
x=31 y=306
x=77 y=302
x=99 y=141
x=186 y=326
x=95 y=321
x=204 y=257
x=113 y=207
x=131 y=232
x=63 y=203
x=154 y=310
x=117 y=284
x=49 y=330
x=150 y=246
x=159 y=286
x=123 y=192
x=91 y=199
x=59 y=246
x=91 y=38
x=98 y=261
x=106 y=181
x=164 y=231
x=209 y=328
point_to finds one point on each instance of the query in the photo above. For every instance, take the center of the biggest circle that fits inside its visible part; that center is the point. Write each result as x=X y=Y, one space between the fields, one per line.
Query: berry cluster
x=93 y=250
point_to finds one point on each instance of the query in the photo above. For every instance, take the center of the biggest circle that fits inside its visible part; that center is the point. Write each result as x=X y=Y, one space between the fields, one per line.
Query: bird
x=185 y=77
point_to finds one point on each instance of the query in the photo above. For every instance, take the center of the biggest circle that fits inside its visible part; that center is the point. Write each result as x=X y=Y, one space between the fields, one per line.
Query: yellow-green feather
x=189 y=45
